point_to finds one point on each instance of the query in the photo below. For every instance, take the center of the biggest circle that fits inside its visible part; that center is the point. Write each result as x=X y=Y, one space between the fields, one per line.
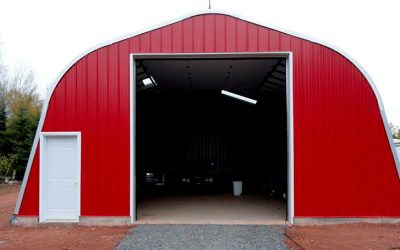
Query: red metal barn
x=339 y=155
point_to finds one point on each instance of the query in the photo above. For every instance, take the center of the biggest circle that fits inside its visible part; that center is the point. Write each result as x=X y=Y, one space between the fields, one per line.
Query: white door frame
x=42 y=174
x=288 y=55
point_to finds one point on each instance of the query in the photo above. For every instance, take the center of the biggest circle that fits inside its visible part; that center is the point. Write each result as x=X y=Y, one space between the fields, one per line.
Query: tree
x=22 y=92
x=3 y=72
x=3 y=114
x=24 y=105
x=20 y=107
x=6 y=162
x=21 y=131
x=3 y=108
x=3 y=124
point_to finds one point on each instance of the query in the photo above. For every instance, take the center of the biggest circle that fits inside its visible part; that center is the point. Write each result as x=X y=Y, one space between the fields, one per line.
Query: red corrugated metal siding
x=343 y=163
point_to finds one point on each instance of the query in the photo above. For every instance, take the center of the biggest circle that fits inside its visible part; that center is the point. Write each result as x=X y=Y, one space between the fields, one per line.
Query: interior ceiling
x=254 y=76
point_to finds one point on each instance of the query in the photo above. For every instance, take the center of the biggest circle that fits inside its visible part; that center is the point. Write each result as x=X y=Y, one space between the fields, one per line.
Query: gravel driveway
x=204 y=237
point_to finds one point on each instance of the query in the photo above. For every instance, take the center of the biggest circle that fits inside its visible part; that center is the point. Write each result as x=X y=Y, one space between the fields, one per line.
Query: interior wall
x=245 y=142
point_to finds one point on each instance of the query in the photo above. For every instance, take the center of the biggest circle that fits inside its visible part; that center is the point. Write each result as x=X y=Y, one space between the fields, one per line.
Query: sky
x=47 y=35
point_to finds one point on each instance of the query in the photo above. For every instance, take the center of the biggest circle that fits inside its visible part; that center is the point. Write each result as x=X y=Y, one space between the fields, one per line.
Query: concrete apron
x=221 y=209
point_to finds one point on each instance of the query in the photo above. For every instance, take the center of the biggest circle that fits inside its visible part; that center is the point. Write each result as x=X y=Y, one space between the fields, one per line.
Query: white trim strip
x=55 y=82
x=290 y=135
x=132 y=129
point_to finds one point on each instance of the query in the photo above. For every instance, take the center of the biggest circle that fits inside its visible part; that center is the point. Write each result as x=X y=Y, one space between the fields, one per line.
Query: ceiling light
x=242 y=98
x=148 y=81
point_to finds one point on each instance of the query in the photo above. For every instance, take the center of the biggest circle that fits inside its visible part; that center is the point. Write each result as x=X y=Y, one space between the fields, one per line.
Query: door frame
x=288 y=55
x=43 y=174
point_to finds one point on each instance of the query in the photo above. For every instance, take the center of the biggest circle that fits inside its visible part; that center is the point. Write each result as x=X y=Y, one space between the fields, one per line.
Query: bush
x=6 y=164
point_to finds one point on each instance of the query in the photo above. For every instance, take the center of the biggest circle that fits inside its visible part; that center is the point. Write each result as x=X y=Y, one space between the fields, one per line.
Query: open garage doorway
x=212 y=141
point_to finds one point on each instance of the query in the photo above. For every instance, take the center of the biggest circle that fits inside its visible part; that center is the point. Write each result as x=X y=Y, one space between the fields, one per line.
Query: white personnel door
x=60 y=177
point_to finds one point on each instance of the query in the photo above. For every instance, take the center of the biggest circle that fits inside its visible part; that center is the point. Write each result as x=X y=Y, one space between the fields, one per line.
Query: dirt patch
x=73 y=237
x=46 y=237
x=8 y=198
x=345 y=236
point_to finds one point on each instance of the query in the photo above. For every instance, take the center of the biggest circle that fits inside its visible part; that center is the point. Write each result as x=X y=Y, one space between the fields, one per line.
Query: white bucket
x=237 y=188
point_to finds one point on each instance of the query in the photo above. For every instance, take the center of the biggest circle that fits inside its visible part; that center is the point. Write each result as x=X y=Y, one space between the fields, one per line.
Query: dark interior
x=186 y=127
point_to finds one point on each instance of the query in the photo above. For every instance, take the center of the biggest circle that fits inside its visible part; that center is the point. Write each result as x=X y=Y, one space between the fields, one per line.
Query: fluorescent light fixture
x=242 y=98
x=148 y=81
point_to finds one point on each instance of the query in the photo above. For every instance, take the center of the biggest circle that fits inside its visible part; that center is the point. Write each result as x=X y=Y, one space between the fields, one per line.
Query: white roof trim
x=68 y=66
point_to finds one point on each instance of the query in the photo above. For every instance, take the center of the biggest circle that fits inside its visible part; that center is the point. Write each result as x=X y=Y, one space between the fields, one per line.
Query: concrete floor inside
x=211 y=209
